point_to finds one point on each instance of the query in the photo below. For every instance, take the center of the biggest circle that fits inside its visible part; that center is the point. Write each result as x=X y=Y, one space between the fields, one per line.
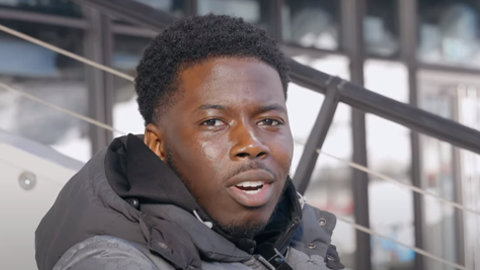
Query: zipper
x=296 y=221
x=291 y=229
x=264 y=262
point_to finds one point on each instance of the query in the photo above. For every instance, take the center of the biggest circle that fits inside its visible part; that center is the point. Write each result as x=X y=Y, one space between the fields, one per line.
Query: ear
x=155 y=140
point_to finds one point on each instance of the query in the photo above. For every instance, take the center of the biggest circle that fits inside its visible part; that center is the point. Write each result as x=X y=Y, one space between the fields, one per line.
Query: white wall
x=21 y=210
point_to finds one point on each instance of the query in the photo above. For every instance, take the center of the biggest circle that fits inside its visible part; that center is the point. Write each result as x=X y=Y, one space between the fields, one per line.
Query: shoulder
x=107 y=252
x=314 y=218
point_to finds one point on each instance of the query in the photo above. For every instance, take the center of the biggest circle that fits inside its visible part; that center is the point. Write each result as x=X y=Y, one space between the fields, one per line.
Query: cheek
x=214 y=151
x=203 y=158
x=282 y=151
x=215 y=155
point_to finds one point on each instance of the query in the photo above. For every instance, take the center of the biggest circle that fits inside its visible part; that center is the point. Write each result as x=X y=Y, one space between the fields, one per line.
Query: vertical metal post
x=353 y=12
x=458 y=190
x=418 y=203
x=276 y=6
x=99 y=48
x=408 y=23
x=315 y=141
x=192 y=8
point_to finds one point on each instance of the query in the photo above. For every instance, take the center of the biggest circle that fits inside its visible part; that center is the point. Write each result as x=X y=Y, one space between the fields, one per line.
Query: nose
x=247 y=144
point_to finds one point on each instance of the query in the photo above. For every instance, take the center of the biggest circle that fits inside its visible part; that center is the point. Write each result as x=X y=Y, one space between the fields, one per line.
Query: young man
x=207 y=186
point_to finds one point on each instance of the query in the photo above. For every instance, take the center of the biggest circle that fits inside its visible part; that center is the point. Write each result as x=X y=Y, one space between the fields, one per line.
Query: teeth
x=250 y=184
x=251 y=192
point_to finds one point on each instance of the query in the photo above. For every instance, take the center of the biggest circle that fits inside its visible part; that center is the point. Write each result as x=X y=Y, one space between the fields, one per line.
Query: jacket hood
x=135 y=172
x=161 y=210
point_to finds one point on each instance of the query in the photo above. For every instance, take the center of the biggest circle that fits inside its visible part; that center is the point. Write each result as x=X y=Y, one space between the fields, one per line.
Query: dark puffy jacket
x=127 y=210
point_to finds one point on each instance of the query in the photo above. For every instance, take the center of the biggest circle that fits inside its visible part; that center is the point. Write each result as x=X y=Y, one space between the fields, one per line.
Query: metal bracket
x=317 y=137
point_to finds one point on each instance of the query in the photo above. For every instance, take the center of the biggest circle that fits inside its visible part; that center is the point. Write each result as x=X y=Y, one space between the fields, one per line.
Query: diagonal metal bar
x=65 y=53
x=399 y=183
x=398 y=112
x=317 y=137
x=411 y=117
x=132 y=11
x=417 y=250
x=60 y=109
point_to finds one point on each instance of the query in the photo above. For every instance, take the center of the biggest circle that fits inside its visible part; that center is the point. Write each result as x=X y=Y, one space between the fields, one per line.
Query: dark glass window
x=389 y=152
x=177 y=7
x=447 y=171
x=50 y=76
x=56 y=7
x=312 y=23
x=449 y=32
x=126 y=54
x=381 y=28
x=255 y=12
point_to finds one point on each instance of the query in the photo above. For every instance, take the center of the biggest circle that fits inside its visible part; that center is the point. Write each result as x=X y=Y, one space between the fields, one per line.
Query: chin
x=259 y=215
x=244 y=229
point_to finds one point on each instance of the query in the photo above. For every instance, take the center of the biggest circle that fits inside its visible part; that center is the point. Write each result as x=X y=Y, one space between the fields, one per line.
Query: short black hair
x=191 y=40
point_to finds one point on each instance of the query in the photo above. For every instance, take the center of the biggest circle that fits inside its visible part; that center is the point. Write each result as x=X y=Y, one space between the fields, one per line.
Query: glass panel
x=304 y=104
x=56 y=7
x=449 y=32
x=331 y=187
x=50 y=76
x=438 y=178
x=381 y=28
x=252 y=11
x=448 y=171
x=389 y=152
x=177 y=7
x=311 y=23
x=468 y=104
x=126 y=55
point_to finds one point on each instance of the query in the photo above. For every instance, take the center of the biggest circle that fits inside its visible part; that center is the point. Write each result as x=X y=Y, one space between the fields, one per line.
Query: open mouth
x=250 y=187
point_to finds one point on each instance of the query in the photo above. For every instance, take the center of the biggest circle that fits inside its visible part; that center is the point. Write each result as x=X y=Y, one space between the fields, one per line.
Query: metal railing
x=335 y=90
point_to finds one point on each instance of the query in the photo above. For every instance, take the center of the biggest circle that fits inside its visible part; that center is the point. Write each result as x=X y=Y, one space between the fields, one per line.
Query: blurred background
x=422 y=52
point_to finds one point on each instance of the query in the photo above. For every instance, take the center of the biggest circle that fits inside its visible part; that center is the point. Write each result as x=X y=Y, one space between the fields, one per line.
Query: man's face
x=228 y=138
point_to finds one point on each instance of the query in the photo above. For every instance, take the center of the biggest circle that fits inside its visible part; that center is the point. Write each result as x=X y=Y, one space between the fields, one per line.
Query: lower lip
x=252 y=200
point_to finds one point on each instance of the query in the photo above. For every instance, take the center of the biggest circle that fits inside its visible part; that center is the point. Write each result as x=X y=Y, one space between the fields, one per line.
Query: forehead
x=231 y=79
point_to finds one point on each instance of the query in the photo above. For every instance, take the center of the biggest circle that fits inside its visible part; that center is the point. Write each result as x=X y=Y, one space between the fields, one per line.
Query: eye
x=270 y=122
x=212 y=122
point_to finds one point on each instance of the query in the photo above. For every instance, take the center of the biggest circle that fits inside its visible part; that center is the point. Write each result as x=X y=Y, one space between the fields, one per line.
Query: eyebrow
x=210 y=107
x=263 y=109
x=272 y=107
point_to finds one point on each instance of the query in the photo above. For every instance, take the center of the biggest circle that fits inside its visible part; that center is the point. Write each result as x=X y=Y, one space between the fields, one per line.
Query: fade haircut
x=190 y=41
